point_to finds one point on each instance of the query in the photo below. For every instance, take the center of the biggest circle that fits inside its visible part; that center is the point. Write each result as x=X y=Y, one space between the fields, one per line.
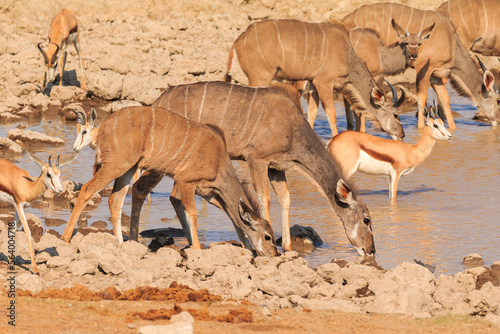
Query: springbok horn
x=481 y=64
x=84 y=115
x=43 y=53
x=54 y=56
x=35 y=159
x=78 y=117
x=434 y=110
x=50 y=162
x=57 y=162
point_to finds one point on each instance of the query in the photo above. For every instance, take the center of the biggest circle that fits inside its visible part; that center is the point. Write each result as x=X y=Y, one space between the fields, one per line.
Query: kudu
x=63 y=31
x=357 y=151
x=19 y=189
x=160 y=143
x=266 y=128
x=87 y=135
x=477 y=24
x=441 y=57
x=317 y=52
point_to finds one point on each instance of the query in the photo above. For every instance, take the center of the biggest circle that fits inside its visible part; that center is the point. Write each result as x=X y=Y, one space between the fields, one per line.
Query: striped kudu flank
x=159 y=142
x=265 y=127
x=477 y=23
x=318 y=52
x=441 y=57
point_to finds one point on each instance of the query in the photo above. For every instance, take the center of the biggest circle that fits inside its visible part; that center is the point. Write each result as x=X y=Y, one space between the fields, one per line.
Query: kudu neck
x=394 y=59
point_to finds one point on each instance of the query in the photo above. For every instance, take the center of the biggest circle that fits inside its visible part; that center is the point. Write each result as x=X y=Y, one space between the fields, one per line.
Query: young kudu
x=357 y=151
x=317 y=52
x=19 y=189
x=381 y=61
x=87 y=135
x=266 y=128
x=63 y=31
x=441 y=57
x=161 y=143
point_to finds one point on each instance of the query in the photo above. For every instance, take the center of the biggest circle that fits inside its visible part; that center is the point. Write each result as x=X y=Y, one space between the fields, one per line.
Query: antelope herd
x=193 y=131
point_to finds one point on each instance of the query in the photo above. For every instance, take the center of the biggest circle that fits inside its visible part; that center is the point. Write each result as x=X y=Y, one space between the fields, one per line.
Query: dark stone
x=160 y=242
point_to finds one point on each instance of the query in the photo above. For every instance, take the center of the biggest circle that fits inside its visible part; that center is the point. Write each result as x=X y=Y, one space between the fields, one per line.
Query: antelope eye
x=84 y=132
x=396 y=116
x=267 y=237
x=435 y=125
x=366 y=221
x=49 y=176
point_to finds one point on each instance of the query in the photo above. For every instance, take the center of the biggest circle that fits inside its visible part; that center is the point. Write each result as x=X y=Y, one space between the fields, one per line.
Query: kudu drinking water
x=63 y=31
x=441 y=57
x=318 y=52
x=160 y=143
x=265 y=127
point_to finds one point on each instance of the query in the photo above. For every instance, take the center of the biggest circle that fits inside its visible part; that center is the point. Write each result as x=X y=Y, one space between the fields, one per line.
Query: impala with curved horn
x=18 y=188
x=357 y=151
x=63 y=31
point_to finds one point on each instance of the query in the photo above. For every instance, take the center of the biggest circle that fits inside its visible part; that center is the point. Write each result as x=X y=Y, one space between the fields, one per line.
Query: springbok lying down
x=357 y=151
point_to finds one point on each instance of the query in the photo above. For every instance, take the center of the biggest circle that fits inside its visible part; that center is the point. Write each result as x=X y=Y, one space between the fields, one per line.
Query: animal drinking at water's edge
x=87 y=135
x=63 y=31
x=357 y=151
x=266 y=128
x=159 y=142
x=19 y=189
x=318 y=52
x=442 y=56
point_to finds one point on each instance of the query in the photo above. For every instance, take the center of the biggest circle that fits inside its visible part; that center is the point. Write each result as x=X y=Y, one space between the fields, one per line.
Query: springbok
x=266 y=128
x=63 y=31
x=317 y=52
x=160 y=143
x=476 y=23
x=441 y=57
x=87 y=134
x=19 y=189
x=381 y=61
x=357 y=151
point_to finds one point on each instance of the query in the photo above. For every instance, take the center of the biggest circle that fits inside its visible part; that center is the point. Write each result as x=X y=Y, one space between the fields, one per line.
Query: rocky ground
x=131 y=52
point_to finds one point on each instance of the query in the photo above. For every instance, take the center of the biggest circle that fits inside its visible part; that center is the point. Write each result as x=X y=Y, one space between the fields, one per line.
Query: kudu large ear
x=424 y=34
x=245 y=213
x=401 y=33
x=489 y=81
x=377 y=96
x=344 y=193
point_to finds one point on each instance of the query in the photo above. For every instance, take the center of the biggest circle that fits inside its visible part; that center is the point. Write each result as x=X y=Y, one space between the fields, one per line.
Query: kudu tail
x=229 y=76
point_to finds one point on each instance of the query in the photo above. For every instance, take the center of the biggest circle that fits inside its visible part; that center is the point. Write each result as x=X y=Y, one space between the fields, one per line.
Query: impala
x=266 y=128
x=160 y=143
x=18 y=188
x=318 y=52
x=357 y=151
x=87 y=134
x=441 y=57
x=476 y=23
x=63 y=31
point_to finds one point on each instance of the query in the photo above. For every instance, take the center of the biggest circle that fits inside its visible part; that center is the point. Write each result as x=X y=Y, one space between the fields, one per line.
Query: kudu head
x=411 y=42
x=51 y=175
x=387 y=112
x=436 y=124
x=51 y=62
x=84 y=128
x=356 y=219
x=491 y=96
x=257 y=230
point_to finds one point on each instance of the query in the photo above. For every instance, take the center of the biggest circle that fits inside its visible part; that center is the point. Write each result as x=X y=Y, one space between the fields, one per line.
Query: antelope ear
x=489 y=81
x=427 y=31
x=93 y=117
x=245 y=213
x=377 y=96
x=344 y=193
x=399 y=30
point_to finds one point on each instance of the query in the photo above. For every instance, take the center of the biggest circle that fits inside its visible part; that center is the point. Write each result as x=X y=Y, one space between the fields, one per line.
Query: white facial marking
x=354 y=232
x=259 y=245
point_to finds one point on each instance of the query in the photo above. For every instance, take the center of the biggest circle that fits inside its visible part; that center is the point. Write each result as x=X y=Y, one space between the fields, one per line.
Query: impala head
x=412 y=42
x=258 y=231
x=435 y=124
x=51 y=62
x=356 y=219
x=491 y=96
x=50 y=173
x=84 y=128
x=387 y=112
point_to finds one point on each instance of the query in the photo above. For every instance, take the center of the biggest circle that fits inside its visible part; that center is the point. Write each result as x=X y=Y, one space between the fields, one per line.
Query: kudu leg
x=182 y=199
x=258 y=172
x=115 y=201
x=325 y=92
x=439 y=86
x=312 y=105
x=140 y=190
x=423 y=81
x=278 y=181
x=22 y=218
x=349 y=115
